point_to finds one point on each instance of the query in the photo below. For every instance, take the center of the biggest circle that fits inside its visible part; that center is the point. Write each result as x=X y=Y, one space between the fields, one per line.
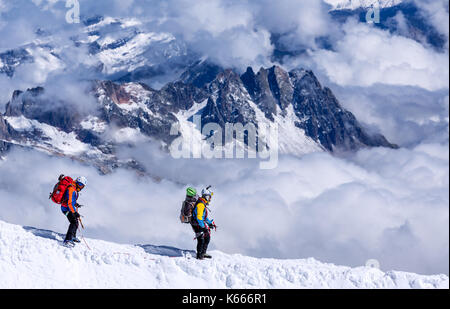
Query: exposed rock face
x=5 y=134
x=11 y=59
x=228 y=101
x=272 y=95
x=317 y=109
x=200 y=73
x=269 y=88
x=33 y=104
x=3 y=128
x=324 y=120
x=183 y=96
x=140 y=107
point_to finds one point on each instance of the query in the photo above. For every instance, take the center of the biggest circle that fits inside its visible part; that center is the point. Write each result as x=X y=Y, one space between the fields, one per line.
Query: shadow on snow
x=151 y=249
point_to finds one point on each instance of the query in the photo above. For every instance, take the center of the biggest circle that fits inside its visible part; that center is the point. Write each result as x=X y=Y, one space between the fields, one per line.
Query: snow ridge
x=32 y=258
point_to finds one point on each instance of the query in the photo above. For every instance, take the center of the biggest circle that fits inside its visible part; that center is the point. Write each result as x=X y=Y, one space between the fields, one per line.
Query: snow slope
x=52 y=140
x=32 y=258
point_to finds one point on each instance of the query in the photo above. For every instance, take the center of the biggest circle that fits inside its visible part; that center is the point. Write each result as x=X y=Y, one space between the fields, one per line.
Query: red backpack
x=60 y=188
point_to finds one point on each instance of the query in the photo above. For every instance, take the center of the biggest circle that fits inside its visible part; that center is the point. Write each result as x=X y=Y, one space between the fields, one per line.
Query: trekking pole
x=82 y=234
x=81 y=222
x=85 y=241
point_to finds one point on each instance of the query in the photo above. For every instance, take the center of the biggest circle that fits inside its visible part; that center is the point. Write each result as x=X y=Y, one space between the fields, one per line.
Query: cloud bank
x=367 y=56
x=238 y=34
x=407 y=116
x=389 y=205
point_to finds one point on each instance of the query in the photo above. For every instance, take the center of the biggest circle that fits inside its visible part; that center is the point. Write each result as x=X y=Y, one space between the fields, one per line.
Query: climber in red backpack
x=66 y=193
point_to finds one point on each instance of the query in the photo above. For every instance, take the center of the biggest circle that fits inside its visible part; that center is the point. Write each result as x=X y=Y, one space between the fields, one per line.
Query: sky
x=389 y=205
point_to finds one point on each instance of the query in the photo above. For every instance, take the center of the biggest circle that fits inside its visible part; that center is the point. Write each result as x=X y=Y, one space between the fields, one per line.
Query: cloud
x=231 y=33
x=20 y=20
x=407 y=116
x=225 y=31
x=300 y=22
x=389 y=205
x=54 y=56
x=237 y=33
x=366 y=56
x=437 y=13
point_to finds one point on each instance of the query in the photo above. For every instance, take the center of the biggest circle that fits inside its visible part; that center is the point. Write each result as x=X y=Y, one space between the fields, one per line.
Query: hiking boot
x=75 y=239
x=68 y=243
x=200 y=256
x=207 y=256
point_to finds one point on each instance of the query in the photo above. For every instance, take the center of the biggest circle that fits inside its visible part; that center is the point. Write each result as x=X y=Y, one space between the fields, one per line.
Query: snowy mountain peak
x=200 y=73
x=361 y=4
x=115 y=48
x=309 y=116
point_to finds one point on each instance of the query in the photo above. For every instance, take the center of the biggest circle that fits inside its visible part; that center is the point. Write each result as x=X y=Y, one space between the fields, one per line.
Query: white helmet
x=81 y=180
x=207 y=194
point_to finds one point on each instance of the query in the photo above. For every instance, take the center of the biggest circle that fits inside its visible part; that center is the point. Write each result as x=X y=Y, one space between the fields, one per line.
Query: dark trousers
x=73 y=227
x=203 y=237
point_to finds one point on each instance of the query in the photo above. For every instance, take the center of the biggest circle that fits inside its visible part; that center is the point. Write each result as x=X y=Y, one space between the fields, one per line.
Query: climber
x=201 y=224
x=69 y=207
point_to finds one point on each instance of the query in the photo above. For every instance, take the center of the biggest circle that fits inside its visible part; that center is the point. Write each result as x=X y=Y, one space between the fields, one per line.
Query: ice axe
x=209 y=187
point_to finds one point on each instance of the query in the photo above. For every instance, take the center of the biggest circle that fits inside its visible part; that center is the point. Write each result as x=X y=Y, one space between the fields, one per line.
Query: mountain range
x=308 y=115
x=125 y=109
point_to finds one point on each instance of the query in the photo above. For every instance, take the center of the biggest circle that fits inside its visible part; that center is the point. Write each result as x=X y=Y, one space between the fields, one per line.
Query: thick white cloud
x=301 y=22
x=211 y=16
x=389 y=205
x=225 y=31
x=407 y=116
x=366 y=56
x=237 y=34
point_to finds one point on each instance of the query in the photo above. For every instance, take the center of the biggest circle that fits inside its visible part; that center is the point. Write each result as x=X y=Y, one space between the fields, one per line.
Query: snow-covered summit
x=115 y=48
x=32 y=258
x=363 y=4
x=307 y=115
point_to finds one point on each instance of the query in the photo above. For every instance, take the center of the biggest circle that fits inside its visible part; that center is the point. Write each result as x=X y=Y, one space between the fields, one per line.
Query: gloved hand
x=213 y=226
x=78 y=205
x=76 y=214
